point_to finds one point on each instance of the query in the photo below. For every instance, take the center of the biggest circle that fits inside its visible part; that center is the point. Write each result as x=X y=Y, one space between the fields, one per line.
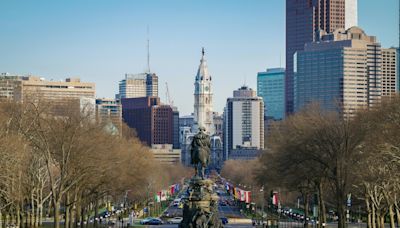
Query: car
x=224 y=220
x=154 y=221
x=175 y=220
x=146 y=220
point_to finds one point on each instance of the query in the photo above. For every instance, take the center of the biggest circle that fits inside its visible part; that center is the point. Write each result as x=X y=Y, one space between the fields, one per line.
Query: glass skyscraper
x=343 y=72
x=271 y=87
x=305 y=21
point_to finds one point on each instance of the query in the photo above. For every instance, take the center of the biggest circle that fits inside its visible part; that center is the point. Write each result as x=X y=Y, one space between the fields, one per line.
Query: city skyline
x=101 y=42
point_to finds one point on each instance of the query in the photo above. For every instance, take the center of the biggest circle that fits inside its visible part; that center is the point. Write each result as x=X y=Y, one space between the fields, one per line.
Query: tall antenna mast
x=148 y=50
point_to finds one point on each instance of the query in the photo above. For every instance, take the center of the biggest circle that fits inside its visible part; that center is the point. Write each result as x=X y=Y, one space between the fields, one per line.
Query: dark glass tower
x=305 y=19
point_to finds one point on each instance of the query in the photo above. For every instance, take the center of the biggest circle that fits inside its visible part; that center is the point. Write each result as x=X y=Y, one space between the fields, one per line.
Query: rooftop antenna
x=148 y=50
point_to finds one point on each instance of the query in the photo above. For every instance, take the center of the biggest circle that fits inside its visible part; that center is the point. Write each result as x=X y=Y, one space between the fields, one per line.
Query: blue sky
x=101 y=40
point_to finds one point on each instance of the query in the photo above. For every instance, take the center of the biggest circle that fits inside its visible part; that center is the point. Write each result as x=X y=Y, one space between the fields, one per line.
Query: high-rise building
x=351 y=13
x=271 y=87
x=389 y=72
x=305 y=20
x=203 y=97
x=216 y=153
x=152 y=120
x=175 y=138
x=109 y=111
x=138 y=85
x=218 y=121
x=243 y=121
x=343 y=72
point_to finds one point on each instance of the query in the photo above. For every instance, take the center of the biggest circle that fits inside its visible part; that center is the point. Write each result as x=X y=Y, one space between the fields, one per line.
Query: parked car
x=154 y=221
x=224 y=220
x=146 y=220
x=175 y=220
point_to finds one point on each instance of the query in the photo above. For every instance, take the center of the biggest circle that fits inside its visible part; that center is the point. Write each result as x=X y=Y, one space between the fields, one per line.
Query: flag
x=172 y=189
x=275 y=198
x=157 y=197
x=237 y=193
x=247 y=196
x=163 y=196
x=242 y=195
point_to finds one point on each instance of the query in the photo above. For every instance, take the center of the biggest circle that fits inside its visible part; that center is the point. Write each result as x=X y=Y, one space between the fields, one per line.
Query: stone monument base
x=200 y=209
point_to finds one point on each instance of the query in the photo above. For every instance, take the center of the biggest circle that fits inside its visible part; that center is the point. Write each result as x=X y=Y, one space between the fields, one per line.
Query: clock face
x=206 y=88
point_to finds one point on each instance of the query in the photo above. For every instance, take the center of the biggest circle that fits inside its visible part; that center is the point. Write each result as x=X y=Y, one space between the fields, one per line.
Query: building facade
x=203 y=97
x=8 y=83
x=389 y=72
x=138 y=85
x=109 y=111
x=152 y=121
x=166 y=154
x=175 y=115
x=305 y=20
x=341 y=72
x=61 y=91
x=243 y=121
x=271 y=87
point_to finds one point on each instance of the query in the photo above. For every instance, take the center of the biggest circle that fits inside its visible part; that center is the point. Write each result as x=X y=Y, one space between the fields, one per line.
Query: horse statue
x=200 y=152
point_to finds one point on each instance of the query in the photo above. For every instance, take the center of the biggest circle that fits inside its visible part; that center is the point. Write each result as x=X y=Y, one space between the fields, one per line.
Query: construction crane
x=167 y=95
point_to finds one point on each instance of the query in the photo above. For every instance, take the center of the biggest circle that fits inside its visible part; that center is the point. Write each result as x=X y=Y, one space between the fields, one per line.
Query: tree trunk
x=373 y=216
x=56 y=206
x=67 y=210
x=391 y=214
x=378 y=219
x=96 y=211
x=321 y=203
x=398 y=216
x=382 y=221
x=32 y=212
x=39 y=210
x=341 y=210
x=82 y=216
x=369 y=222
x=306 y=206
x=1 y=219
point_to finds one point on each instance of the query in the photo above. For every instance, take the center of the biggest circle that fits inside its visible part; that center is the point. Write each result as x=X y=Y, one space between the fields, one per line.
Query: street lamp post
x=262 y=206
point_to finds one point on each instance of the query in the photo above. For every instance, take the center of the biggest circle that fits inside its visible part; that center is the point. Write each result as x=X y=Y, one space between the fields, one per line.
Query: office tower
x=389 y=72
x=305 y=21
x=175 y=121
x=138 y=85
x=203 y=103
x=152 y=120
x=271 y=87
x=218 y=121
x=216 y=153
x=109 y=112
x=341 y=72
x=243 y=121
x=351 y=13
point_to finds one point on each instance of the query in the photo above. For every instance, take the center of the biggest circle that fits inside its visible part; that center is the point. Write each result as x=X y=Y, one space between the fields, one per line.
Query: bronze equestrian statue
x=200 y=152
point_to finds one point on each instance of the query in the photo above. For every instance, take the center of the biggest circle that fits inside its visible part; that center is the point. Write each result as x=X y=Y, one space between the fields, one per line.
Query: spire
x=202 y=72
x=148 y=50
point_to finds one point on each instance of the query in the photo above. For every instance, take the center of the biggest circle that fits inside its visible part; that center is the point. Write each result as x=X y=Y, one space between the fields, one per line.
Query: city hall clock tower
x=203 y=108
